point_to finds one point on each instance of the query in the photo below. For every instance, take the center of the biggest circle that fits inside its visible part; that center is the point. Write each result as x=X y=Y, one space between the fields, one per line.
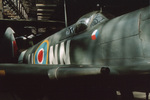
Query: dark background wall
x=77 y=8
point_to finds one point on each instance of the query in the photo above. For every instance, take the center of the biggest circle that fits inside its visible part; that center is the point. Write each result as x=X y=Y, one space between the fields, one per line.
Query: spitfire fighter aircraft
x=94 y=53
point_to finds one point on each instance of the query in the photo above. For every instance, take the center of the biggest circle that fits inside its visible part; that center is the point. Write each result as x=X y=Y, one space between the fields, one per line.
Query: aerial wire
x=65 y=13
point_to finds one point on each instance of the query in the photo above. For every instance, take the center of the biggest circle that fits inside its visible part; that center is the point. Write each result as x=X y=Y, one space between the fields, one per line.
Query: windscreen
x=89 y=20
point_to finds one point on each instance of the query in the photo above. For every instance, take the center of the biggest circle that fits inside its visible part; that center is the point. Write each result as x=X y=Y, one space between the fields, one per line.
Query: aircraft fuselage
x=123 y=40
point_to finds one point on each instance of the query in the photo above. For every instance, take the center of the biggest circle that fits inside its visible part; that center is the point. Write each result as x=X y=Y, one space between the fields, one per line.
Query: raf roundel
x=41 y=54
x=94 y=35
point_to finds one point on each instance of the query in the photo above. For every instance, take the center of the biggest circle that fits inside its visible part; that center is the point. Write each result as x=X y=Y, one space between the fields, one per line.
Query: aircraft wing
x=22 y=75
x=56 y=72
x=51 y=72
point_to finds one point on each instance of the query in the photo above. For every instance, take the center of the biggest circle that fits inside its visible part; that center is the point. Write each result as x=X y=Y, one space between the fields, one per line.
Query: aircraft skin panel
x=145 y=14
x=145 y=31
x=87 y=51
x=120 y=48
x=117 y=52
x=27 y=58
x=144 y=36
x=124 y=48
x=80 y=50
x=121 y=27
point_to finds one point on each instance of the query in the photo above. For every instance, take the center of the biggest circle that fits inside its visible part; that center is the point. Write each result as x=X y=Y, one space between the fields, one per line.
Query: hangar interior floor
x=13 y=96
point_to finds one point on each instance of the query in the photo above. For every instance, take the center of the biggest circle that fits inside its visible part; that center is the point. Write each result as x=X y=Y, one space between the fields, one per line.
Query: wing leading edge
x=53 y=77
x=53 y=72
x=58 y=72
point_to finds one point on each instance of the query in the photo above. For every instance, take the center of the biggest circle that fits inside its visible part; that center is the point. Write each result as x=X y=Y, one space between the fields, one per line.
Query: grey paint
x=119 y=40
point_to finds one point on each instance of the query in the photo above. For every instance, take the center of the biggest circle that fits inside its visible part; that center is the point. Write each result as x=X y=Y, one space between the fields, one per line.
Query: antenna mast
x=65 y=13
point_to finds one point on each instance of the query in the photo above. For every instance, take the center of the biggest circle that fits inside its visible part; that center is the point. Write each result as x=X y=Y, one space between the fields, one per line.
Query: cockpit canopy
x=89 y=20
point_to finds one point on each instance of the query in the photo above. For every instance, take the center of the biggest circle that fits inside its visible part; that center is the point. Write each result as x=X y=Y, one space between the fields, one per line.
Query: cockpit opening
x=89 y=20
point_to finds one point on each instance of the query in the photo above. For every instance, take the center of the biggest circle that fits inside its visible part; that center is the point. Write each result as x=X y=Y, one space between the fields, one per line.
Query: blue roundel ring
x=41 y=53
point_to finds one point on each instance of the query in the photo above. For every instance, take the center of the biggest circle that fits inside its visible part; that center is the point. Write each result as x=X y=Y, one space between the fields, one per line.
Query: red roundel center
x=40 y=56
